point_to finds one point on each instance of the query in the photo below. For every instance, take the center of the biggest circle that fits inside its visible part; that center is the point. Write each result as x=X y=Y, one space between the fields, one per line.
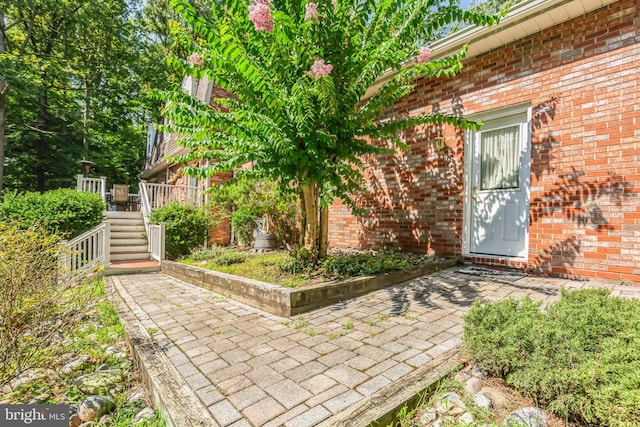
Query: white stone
x=482 y=400
x=473 y=386
x=466 y=419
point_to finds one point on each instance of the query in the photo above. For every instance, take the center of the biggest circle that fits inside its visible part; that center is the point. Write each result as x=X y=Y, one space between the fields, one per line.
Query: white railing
x=163 y=194
x=145 y=206
x=156 y=241
x=85 y=253
x=93 y=185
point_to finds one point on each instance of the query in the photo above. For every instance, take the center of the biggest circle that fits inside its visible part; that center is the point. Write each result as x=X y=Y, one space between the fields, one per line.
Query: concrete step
x=129 y=249
x=126 y=221
x=122 y=215
x=141 y=256
x=127 y=228
x=140 y=241
x=119 y=235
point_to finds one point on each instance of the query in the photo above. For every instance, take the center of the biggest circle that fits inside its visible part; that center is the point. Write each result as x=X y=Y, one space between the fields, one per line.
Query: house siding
x=581 y=78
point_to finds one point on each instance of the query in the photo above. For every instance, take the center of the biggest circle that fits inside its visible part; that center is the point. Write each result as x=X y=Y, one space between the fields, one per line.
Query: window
x=500 y=158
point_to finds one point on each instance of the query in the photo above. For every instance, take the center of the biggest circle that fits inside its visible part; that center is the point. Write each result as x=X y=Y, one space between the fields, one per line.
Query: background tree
x=74 y=81
x=299 y=72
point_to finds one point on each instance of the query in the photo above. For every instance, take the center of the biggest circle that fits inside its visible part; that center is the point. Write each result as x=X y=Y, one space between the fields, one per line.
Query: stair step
x=130 y=256
x=122 y=235
x=126 y=221
x=129 y=249
x=122 y=215
x=140 y=241
x=127 y=228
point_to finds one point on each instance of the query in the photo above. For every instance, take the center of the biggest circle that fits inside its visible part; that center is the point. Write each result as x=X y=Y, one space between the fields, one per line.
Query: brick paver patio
x=250 y=368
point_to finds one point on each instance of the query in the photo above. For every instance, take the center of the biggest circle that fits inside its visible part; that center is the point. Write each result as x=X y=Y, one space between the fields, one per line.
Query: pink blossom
x=260 y=15
x=319 y=69
x=195 y=59
x=424 y=56
x=311 y=12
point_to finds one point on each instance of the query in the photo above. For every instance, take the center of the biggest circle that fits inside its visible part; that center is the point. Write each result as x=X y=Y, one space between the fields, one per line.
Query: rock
x=429 y=416
x=466 y=419
x=526 y=417
x=137 y=394
x=462 y=376
x=450 y=404
x=473 y=386
x=498 y=399
x=96 y=381
x=111 y=350
x=115 y=390
x=40 y=398
x=120 y=355
x=74 y=364
x=482 y=400
x=26 y=377
x=88 y=424
x=74 y=420
x=93 y=407
x=104 y=420
x=92 y=337
x=126 y=364
x=103 y=367
x=478 y=371
x=438 y=423
x=144 y=415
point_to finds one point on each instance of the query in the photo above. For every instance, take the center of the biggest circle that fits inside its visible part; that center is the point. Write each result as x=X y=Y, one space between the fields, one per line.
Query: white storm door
x=499 y=190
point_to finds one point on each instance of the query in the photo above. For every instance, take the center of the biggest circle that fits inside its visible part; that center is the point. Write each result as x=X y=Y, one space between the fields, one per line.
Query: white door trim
x=504 y=112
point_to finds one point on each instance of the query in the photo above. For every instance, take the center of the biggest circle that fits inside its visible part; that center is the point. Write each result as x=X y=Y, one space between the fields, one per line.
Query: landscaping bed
x=86 y=364
x=318 y=291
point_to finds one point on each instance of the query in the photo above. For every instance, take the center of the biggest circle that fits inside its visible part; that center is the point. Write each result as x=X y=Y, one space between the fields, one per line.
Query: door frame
x=525 y=171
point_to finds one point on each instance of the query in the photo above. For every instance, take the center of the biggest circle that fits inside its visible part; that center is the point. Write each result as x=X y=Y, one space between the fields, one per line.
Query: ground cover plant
x=299 y=266
x=53 y=330
x=579 y=357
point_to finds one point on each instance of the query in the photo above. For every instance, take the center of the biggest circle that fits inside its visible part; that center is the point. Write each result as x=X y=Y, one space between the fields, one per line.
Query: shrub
x=580 y=358
x=243 y=221
x=186 y=227
x=65 y=212
x=33 y=305
x=217 y=255
x=248 y=198
x=362 y=264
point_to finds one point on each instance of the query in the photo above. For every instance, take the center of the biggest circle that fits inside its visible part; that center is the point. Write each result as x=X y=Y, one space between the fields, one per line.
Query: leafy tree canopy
x=299 y=74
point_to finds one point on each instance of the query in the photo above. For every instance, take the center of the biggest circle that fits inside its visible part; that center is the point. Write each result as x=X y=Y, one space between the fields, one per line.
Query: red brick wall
x=581 y=78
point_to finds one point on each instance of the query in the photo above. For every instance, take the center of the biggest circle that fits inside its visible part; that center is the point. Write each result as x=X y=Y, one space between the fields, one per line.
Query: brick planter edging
x=287 y=302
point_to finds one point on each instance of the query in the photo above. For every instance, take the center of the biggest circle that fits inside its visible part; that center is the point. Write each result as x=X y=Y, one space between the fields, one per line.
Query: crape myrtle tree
x=299 y=73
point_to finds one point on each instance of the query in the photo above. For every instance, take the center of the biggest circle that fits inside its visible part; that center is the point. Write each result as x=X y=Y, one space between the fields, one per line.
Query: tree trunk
x=310 y=214
x=324 y=231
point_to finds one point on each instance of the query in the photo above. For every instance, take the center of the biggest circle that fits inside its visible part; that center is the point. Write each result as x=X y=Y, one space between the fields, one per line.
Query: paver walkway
x=250 y=368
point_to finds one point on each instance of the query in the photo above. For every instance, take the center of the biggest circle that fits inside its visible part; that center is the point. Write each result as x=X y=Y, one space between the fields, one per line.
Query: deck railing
x=93 y=185
x=84 y=253
x=163 y=194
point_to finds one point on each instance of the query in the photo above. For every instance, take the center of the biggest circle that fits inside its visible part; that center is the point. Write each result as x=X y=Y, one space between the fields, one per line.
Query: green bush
x=243 y=221
x=217 y=255
x=65 y=212
x=580 y=357
x=187 y=227
x=362 y=264
x=247 y=198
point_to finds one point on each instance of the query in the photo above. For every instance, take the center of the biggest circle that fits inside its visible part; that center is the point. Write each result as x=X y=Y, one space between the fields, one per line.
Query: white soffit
x=524 y=19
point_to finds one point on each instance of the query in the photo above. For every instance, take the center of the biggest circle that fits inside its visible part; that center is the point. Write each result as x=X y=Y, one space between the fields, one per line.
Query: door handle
x=474 y=195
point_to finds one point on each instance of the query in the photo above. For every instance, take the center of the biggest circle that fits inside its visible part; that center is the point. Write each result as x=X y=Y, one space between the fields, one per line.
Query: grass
x=256 y=266
x=97 y=330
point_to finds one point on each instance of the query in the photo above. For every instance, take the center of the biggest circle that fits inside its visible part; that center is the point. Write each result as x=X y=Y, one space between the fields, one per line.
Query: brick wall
x=581 y=78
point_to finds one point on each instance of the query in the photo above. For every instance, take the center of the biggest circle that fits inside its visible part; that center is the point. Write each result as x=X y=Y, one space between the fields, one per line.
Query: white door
x=499 y=187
